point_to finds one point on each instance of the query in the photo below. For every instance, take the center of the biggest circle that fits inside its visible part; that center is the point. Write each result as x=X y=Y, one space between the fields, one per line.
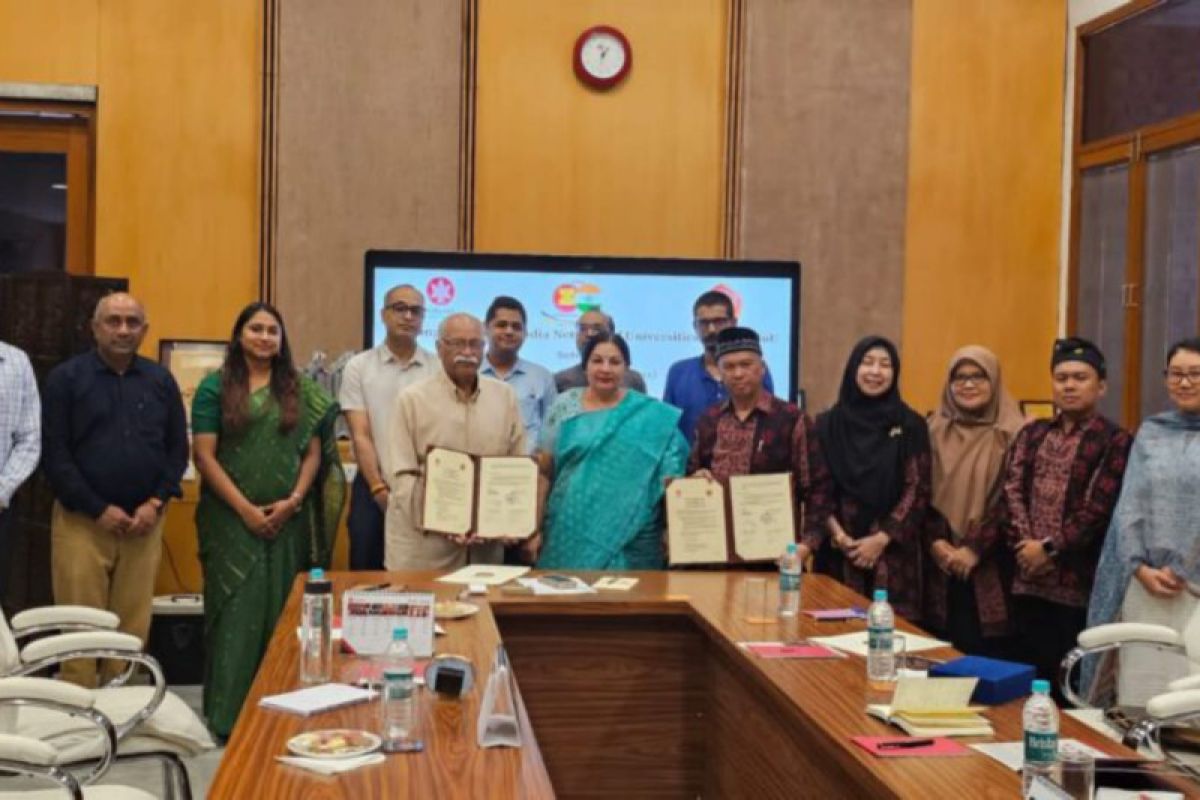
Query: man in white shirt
x=459 y=409
x=370 y=384
x=20 y=436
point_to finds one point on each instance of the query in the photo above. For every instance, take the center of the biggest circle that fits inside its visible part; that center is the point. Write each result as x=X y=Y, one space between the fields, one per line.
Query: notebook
x=934 y=707
x=316 y=699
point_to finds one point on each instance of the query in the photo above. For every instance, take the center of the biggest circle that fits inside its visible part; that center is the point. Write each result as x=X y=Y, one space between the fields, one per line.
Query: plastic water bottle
x=789 y=582
x=398 y=711
x=881 y=629
x=397 y=655
x=1040 y=721
x=316 y=640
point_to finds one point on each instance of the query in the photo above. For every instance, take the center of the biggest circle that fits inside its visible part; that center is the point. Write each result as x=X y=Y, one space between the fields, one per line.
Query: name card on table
x=368 y=619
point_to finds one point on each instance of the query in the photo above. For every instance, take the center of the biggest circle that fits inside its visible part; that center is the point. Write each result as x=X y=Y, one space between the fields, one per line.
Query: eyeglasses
x=463 y=344
x=1176 y=377
x=715 y=322
x=975 y=380
x=404 y=309
x=591 y=328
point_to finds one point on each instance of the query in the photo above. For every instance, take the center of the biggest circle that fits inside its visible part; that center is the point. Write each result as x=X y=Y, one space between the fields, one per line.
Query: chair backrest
x=1145 y=671
x=10 y=653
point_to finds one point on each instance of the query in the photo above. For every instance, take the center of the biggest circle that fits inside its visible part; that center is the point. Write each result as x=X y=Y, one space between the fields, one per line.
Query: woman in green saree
x=608 y=450
x=272 y=491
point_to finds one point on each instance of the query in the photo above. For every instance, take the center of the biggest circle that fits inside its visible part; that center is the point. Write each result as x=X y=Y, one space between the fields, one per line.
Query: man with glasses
x=694 y=384
x=458 y=409
x=115 y=446
x=533 y=383
x=371 y=382
x=592 y=323
x=1060 y=487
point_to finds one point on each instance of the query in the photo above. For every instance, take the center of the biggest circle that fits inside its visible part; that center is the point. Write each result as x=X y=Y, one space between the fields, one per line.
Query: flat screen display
x=649 y=299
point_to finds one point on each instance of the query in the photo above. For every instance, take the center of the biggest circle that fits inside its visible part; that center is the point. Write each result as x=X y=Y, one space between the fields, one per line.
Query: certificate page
x=507 y=497
x=763 y=515
x=696 y=522
x=449 y=492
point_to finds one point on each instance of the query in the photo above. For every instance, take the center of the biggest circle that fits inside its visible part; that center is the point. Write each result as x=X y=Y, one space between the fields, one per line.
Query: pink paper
x=774 y=650
x=941 y=746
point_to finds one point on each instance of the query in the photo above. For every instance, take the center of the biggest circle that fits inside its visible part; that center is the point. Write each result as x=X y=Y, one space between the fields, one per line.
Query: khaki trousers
x=91 y=567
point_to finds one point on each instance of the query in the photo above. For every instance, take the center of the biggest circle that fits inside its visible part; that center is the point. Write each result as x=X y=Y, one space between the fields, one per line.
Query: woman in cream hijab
x=969 y=435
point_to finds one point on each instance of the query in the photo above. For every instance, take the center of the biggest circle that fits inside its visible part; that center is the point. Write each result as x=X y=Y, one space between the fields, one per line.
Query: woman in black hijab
x=878 y=452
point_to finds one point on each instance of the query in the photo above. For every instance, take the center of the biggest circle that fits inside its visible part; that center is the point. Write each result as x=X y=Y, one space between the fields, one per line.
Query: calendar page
x=368 y=619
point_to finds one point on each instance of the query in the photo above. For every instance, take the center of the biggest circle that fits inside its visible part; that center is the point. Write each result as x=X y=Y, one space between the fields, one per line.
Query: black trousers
x=365 y=524
x=1046 y=632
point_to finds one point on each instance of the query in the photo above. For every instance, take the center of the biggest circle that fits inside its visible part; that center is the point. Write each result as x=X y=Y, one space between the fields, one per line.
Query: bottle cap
x=880 y=595
x=399 y=634
x=397 y=673
x=317 y=583
x=1041 y=686
x=316 y=574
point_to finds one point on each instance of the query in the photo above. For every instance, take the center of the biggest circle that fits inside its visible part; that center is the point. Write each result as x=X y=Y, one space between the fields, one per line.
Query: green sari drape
x=246 y=578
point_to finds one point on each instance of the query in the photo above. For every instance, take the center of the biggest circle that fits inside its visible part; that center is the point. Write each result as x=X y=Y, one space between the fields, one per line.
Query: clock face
x=603 y=55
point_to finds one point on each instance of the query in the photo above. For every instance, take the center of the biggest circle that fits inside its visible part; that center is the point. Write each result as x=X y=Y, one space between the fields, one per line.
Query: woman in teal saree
x=608 y=451
x=272 y=492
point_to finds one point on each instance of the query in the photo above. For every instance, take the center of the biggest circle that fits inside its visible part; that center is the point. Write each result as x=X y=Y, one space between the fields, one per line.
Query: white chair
x=28 y=756
x=150 y=722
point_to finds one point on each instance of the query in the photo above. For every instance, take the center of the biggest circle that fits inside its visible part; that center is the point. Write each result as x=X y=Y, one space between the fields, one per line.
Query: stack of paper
x=856 y=643
x=556 y=585
x=934 y=707
x=316 y=699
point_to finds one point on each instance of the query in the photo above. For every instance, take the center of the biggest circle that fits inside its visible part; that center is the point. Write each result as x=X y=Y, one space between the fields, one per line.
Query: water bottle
x=789 y=582
x=316 y=641
x=1040 y=721
x=398 y=711
x=881 y=629
x=397 y=655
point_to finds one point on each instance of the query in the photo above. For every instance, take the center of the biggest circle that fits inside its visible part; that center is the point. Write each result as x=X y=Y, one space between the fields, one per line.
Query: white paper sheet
x=1011 y=754
x=315 y=699
x=856 y=643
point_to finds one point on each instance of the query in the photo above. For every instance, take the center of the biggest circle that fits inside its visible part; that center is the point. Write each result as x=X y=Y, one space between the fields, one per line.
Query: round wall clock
x=602 y=57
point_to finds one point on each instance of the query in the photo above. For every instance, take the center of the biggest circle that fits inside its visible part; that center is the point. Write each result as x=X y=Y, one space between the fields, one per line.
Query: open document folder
x=934 y=707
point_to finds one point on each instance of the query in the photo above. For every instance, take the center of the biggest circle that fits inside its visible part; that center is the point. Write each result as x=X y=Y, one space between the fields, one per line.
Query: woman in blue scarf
x=1150 y=567
x=608 y=450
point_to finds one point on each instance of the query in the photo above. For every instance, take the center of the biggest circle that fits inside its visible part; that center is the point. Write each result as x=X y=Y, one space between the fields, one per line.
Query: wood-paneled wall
x=984 y=159
x=178 y=142
x=636 y=170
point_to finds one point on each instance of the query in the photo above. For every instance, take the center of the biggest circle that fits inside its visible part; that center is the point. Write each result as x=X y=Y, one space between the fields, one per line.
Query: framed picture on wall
x=189 y=361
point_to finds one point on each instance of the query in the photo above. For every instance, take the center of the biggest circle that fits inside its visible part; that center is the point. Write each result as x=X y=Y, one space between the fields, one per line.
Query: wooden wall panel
x=984 y=189
x=637 y=170
x=368 y=144
x=824 y=164
x=177 y=167
x=49 y=41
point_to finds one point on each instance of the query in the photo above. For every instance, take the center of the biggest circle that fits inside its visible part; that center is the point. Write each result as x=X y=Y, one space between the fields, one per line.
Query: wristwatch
x=1050 y=547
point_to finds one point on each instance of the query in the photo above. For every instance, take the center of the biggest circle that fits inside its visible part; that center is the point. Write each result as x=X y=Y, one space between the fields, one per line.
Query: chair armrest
x=1118 y=633
x=27 y=750
x=1172 y=705
x=64 y=643
x=1181 y=684
x=57 y=618
x=47 y=690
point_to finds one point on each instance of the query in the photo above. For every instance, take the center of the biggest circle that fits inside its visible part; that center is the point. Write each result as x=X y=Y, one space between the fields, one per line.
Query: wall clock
x=602 y=57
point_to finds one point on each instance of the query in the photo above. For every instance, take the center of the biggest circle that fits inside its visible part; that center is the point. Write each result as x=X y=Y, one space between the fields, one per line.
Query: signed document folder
x=492 y=497
x=754 y=520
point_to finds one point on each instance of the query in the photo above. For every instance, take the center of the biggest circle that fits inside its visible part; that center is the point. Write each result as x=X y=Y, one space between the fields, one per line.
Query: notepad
x=934 y=707
x=316 y=699
x=878 y=746
x=801 y=649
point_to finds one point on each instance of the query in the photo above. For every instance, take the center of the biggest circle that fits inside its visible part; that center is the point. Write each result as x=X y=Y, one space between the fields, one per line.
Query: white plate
x=309 y=744
x=454 y=609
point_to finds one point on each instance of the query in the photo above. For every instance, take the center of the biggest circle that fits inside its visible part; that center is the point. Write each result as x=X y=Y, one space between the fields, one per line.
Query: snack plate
x=454 y=609
x=334 y=743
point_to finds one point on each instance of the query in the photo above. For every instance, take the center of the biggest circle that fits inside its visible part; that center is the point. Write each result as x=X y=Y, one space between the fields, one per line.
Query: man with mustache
x=459 y=409
x=370 y=384
x=1061 y=485
x=115 y=445
x=694 y=384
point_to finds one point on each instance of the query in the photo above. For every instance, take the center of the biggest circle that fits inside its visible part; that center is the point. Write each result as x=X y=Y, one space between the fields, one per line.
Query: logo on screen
x=577 y=296
x=440 y=290
x=725 y=289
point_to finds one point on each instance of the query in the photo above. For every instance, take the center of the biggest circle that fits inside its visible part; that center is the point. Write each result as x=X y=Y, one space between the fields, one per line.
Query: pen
x=904 y=744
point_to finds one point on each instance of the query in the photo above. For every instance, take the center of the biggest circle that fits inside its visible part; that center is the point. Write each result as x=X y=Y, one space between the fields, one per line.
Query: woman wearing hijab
x=966 y=598
x=878 y=453
x=1149 y=568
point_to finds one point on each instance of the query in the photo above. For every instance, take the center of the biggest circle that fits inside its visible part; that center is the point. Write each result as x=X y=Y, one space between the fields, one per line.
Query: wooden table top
x=829 y=695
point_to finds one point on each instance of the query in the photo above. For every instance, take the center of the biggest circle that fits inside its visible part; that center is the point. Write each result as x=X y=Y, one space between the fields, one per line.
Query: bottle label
x=880 y=639
x=789 y=581
x=1041 y=747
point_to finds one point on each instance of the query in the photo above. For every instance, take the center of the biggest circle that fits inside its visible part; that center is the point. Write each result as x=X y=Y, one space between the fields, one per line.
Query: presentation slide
x=652 y=311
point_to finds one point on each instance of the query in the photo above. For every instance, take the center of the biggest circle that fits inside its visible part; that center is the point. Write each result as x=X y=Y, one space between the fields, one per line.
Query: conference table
x=641 y=693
